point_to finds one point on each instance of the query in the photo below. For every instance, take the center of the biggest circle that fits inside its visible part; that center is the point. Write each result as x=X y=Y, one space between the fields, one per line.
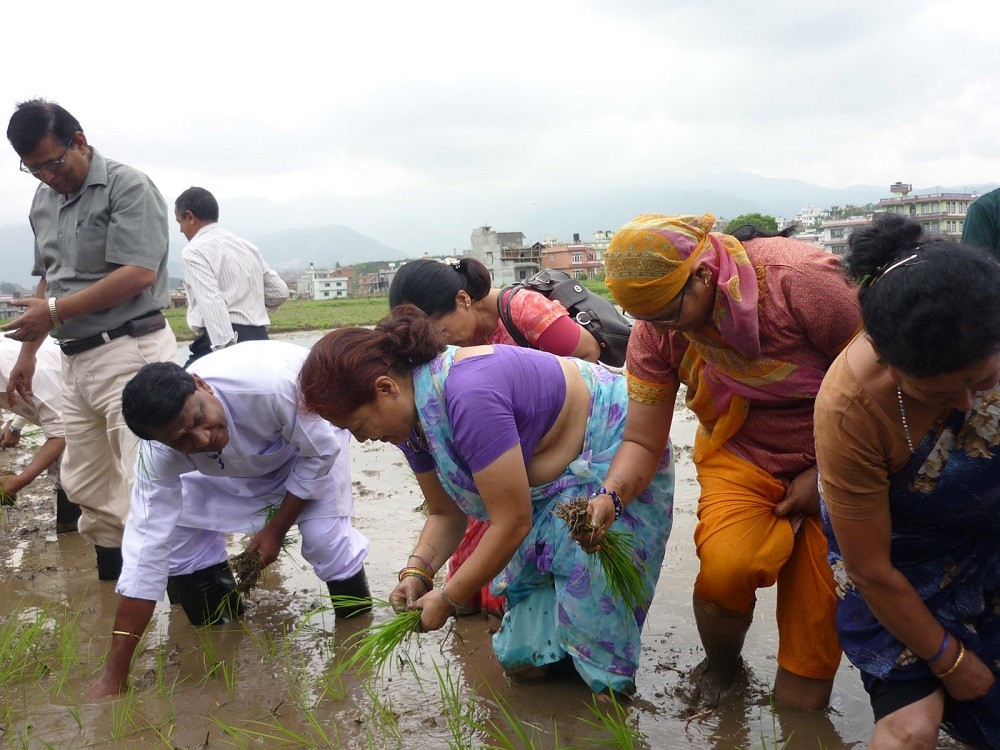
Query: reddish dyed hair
x=339 y=374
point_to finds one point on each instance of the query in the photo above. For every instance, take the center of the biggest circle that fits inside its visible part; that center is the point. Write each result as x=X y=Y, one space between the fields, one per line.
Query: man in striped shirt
x=230 y=287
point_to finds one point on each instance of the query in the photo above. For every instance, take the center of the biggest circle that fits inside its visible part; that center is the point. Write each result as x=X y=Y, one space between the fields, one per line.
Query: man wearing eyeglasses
x=101 y=251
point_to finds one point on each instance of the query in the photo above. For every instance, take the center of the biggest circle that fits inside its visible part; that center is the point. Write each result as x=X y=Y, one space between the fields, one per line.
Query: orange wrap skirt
x=742 y=546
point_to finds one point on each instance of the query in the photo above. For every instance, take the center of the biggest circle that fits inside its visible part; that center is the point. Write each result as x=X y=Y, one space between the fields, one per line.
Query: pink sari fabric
x=649 y=261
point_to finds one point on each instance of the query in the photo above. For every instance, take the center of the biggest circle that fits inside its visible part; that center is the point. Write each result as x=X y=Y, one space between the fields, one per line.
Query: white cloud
x=389 y=107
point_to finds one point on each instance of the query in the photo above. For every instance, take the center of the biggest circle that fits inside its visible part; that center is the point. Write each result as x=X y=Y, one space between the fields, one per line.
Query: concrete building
x=810 y=217
x=315 y=284
x=834 y=233
x=378 y=281
x=939 y=213
x=505 y=255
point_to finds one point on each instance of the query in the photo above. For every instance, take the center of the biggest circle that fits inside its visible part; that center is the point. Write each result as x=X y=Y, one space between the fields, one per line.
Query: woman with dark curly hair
x=502 y=433
x=908 y=448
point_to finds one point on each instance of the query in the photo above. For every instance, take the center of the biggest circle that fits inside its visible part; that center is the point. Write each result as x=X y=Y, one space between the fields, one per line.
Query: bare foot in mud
x=703 y=692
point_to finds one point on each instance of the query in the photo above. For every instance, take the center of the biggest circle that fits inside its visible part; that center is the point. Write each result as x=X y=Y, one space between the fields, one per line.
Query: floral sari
x=945 y=506
x=557 y=600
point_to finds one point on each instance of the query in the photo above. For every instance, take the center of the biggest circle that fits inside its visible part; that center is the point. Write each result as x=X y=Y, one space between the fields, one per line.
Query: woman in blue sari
x=908 y=448
x=503 y=433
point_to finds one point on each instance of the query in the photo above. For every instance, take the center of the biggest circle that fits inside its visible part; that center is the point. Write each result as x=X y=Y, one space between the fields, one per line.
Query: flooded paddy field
x=268 y=682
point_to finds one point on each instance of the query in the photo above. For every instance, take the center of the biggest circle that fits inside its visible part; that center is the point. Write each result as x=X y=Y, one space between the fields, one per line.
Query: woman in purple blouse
x=502 y=433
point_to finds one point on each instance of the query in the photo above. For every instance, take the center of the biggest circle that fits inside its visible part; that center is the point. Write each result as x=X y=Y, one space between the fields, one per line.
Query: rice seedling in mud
x=258 y=734
x=623 y=573
x=39 y=641
x=247 y=565
x=383 y=717
x=510 y=732
x=774 y=743
x=459 y=714
x=265 y=642
x=248 y=568
x=621 y=729
x=123 y=716
x=373 y=647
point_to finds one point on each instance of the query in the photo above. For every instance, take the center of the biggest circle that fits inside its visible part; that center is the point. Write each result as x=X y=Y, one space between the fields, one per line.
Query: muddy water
x=260 y=684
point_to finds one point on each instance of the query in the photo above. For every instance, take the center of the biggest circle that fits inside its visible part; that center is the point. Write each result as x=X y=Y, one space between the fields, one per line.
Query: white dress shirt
x=273 y=448
x=45 y=407
x=228 y=282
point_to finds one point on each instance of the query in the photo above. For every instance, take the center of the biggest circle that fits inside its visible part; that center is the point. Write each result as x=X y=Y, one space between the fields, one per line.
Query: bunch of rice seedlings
x=7 y=498
x=247 y=567
x=374 y=646
x=615 y=555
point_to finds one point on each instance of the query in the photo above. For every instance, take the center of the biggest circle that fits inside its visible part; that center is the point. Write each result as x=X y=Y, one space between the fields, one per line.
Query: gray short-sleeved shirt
x=116 y=218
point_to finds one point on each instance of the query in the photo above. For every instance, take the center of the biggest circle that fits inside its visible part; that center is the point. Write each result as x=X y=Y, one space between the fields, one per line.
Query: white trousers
x=334 y=548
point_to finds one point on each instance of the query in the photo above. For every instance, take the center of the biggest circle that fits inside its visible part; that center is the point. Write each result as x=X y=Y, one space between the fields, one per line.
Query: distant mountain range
x=293 y=235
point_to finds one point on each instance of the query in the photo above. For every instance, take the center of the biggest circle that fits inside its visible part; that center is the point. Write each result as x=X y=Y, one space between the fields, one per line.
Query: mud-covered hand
x=407 y=593
x=436 y=611
x=601 y=511
x=268 y=543
x=34 y=323
x=801 y=496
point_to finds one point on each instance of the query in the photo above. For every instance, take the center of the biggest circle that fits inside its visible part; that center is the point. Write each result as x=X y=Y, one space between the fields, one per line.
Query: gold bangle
x=958 y=660
x=126 y=632
x=417 y=573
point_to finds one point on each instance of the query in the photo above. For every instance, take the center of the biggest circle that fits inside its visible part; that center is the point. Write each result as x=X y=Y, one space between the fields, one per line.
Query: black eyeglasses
x=52 y=166
x=673 y=319
x=676 y=317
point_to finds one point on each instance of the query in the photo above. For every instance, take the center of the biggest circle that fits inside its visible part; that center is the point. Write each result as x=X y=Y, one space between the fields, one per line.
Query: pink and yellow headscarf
x=648 y=263
x=651 y=258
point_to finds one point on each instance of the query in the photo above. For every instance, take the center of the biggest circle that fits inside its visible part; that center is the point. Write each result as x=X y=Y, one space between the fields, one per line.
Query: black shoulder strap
x=506 y=317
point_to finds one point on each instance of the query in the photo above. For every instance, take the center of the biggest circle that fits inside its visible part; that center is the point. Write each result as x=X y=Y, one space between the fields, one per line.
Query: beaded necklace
x=906 y=424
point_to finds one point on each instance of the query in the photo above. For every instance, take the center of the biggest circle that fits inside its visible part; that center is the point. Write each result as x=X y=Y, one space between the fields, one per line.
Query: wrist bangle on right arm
x=448 y=600
x=616 y=501
x=958 y=660
x=940 y=651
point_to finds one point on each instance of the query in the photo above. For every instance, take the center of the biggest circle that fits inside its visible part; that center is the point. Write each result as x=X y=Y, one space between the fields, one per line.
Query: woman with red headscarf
x=750 y=327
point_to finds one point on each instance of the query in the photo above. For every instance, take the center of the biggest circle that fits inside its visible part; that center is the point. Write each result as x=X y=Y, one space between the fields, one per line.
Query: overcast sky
x=381 y=109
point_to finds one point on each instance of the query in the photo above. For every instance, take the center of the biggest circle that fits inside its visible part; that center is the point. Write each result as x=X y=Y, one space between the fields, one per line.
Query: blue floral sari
x=945 y=506
x=557 y=598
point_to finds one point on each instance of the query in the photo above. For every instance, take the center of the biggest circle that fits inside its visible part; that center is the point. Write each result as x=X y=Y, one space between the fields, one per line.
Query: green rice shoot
x=374 y=646
x=623 y=573
x=7 y=498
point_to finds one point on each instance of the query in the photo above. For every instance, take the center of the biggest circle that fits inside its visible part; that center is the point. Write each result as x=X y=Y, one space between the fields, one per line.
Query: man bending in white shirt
x=230 y=288
x=225 y=448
